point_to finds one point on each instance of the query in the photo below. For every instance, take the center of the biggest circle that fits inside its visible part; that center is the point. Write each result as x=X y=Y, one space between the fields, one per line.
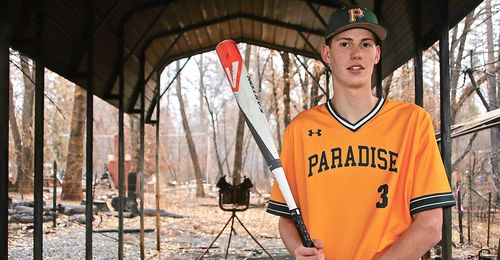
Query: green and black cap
x=358 y=17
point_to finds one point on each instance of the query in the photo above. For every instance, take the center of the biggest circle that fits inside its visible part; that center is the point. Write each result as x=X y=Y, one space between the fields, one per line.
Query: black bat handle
x=301 y=228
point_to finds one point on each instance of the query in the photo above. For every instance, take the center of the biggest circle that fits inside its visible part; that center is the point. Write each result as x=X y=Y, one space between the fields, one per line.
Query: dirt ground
x=181 y=238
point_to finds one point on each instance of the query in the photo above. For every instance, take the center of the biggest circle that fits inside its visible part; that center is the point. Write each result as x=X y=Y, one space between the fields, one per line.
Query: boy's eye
x=344 y=44
x=367 y=44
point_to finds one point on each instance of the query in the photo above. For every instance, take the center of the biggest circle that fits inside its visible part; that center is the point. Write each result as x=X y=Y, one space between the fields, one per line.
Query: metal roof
x=169 y=30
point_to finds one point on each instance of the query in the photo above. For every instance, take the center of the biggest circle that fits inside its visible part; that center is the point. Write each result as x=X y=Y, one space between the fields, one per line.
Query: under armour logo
x=311 y=132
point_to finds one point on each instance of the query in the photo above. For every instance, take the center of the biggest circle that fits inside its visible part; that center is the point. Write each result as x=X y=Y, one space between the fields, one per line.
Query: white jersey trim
x=361 y=122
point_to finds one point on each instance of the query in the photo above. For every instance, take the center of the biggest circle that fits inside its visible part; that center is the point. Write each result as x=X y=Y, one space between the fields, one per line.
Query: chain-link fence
x=476 y=220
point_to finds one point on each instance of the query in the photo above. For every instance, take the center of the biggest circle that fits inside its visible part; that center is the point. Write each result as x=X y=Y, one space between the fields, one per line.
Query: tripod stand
x=234 y=199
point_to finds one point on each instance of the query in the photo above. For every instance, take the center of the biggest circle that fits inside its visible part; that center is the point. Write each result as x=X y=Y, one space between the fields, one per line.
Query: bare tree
x=386 y=84
x=286 y=87
x=189 y=139
x=26 y=179
x=72 y=185
x=315 y=97
x=15 y=133
x=304 y=84
x=214 y=137
x=213 y=120
x=24 y=139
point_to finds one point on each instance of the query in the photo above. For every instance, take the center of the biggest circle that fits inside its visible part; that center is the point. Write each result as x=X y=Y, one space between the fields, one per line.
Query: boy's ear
x=377 y=55
x=325 y=53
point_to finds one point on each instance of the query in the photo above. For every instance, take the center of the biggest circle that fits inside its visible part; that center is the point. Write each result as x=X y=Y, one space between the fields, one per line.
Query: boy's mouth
x=356 y=68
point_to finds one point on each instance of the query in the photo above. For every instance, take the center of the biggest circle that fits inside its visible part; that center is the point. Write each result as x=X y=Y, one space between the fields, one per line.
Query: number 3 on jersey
x=383 y=190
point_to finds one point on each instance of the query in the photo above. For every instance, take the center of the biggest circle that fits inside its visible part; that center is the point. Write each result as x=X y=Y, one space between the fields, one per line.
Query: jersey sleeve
x=277 y=205
x=430 y=187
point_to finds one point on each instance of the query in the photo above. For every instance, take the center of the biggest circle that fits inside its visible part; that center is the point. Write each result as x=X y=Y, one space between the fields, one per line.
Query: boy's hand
x=310 y=253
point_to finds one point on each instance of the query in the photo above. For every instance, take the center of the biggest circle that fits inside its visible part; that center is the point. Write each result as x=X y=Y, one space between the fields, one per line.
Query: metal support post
x=444 y=55
x=121 y=149
x=38 y=144
x=89 y=148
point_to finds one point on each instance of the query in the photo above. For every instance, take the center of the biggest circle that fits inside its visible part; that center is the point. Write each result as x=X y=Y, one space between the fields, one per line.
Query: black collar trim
x=361 y=122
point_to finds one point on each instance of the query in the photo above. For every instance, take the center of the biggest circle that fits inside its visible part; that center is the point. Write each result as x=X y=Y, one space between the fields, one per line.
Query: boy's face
x=352 y=55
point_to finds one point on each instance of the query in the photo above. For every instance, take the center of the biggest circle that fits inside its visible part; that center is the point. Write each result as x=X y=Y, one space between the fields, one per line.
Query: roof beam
x=143 y=81
x=238 y=16
x=123 y=22
x=180 y=31
x=238 y=40
x=317 y=14
x=80 y=45
x=158 y=97
x=144 y=34
x=328 y=3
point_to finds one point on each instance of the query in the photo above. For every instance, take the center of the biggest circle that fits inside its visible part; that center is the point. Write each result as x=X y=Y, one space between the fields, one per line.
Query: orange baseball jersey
x=358 y=185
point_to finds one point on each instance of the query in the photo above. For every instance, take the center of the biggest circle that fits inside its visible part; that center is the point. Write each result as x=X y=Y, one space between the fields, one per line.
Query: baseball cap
x=358 y=17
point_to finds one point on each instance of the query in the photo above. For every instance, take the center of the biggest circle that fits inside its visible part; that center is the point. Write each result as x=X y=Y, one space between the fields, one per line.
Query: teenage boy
x=366 y=172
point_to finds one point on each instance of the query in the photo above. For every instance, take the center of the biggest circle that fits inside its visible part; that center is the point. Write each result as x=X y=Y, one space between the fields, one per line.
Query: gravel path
x=181 y=238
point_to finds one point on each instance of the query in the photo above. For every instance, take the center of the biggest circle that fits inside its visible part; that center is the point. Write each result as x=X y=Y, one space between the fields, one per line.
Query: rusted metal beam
x=141 y=156
x=317 y=14
x=8 y=12
x=155 y=101
x=177 y=31
x=144 y=34
x=89 y=147
x=4 y=144
x=123 y=22
x=121 y=148
x=157 y=164
x=38 y=139
x=141 y=82
x=417 y=59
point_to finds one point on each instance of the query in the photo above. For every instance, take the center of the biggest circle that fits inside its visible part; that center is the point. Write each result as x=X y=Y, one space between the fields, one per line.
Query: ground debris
x=186 y=229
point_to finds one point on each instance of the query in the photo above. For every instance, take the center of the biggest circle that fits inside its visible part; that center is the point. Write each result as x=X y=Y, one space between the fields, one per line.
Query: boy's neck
x=353 y=104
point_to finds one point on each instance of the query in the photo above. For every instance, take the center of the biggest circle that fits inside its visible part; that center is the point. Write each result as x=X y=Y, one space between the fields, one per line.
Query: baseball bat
x=247 y=99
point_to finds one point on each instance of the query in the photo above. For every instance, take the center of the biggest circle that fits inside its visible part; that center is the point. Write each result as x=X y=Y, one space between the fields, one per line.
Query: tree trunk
x=72 y=185
x=387 y=84
x=201 y=123
x=455 y=73
x=15 y=134
x=314 y=88
x=240 y=131
x=26 y=178
x=468 y=90
x=214 y=139
x=277 y=115
x=189 y=138
x=304 y=84
x=203 y=92
x=286 y=87
x=492 y=96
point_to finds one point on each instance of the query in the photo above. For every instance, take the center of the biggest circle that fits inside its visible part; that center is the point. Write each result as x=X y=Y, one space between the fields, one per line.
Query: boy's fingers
x=318 y=244
x=306 y=251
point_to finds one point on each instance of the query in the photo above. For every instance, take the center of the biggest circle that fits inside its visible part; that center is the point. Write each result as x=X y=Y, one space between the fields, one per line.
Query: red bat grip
x=301 y=228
